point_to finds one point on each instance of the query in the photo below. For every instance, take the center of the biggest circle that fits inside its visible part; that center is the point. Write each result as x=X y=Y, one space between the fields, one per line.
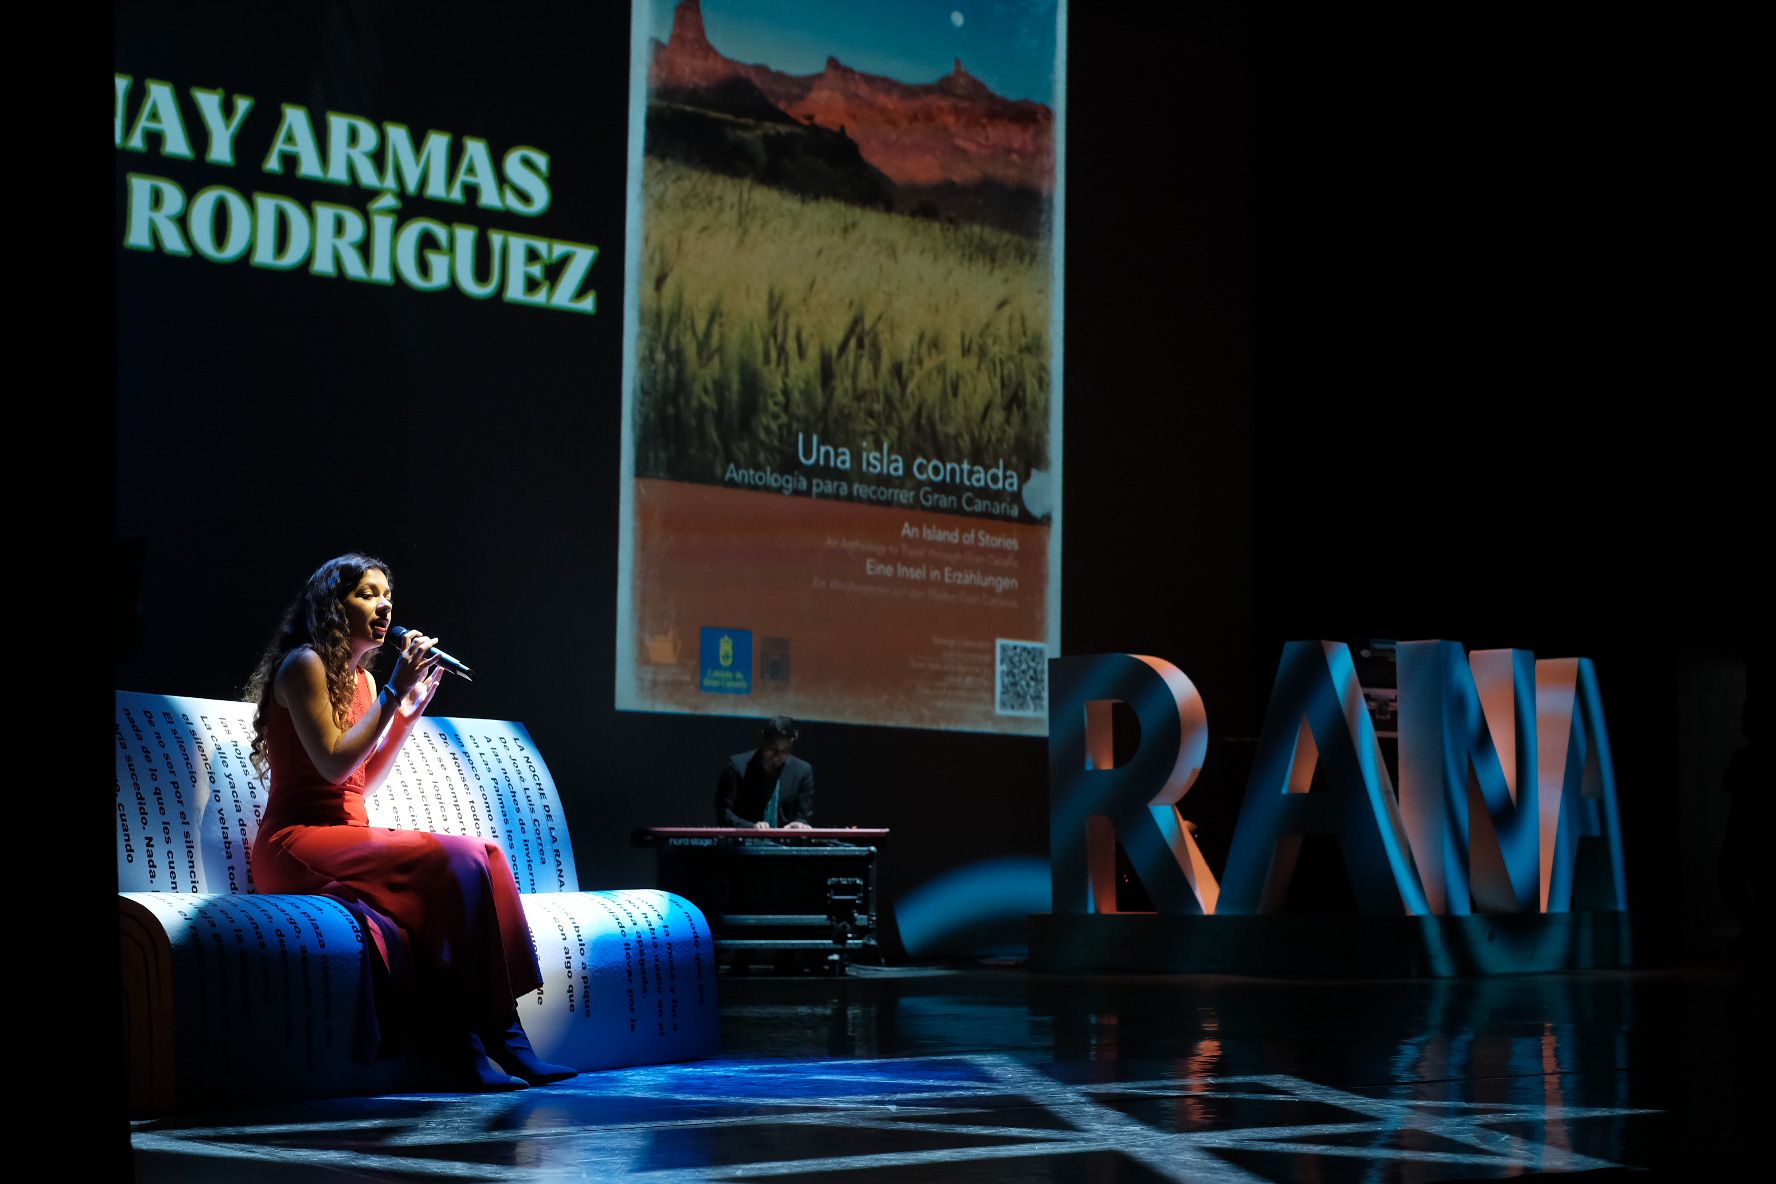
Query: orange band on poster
x=856 y=612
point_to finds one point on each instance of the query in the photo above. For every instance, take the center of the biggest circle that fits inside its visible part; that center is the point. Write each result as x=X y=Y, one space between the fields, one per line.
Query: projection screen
x=841 y=485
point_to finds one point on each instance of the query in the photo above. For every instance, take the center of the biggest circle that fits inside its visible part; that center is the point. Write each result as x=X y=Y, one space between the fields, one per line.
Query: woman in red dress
x=441 y=912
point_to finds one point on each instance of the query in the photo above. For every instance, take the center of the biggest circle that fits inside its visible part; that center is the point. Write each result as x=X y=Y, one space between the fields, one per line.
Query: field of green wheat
x=764 y=314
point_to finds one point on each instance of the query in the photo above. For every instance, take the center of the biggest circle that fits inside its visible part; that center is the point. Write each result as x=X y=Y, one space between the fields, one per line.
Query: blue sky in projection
x=1008 y=44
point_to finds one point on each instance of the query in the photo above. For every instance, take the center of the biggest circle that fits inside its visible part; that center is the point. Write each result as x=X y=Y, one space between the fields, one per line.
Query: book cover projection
x=842 y=406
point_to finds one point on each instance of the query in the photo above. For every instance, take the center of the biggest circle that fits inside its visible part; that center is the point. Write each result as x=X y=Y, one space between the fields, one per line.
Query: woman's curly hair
x=316 y=619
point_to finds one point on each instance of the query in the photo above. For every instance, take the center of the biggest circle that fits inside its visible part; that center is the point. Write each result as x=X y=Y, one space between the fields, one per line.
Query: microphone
x=460 y=669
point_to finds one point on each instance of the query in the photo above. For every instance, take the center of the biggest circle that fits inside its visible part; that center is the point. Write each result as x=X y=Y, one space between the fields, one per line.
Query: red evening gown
x=445 y=902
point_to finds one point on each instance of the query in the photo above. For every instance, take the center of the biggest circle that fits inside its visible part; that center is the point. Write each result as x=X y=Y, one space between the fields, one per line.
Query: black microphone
x=460 y=669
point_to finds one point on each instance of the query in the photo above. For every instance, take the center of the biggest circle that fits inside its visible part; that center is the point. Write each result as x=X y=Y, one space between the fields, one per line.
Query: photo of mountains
x=948 y=149
x=837 y=253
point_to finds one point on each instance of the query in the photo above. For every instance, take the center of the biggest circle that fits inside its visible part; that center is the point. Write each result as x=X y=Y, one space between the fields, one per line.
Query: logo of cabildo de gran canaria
x=727 y=650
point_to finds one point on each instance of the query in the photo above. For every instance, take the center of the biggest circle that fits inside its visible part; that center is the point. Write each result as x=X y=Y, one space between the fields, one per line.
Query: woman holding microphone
x=441 y=912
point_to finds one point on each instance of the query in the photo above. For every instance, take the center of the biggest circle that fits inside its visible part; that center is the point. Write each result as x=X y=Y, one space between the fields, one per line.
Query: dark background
x=1407 y=324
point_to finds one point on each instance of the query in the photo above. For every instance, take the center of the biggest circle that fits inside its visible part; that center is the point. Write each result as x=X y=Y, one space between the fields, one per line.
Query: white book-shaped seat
x=232 y=995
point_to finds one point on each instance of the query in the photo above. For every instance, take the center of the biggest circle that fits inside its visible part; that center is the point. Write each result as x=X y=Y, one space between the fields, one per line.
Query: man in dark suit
x=767 y=787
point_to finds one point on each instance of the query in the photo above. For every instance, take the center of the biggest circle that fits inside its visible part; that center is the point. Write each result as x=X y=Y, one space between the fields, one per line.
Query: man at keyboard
x=767 y=787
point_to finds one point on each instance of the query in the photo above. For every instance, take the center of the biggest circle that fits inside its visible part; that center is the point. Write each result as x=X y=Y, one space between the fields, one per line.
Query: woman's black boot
x=510 y=1050
x=467 y=1065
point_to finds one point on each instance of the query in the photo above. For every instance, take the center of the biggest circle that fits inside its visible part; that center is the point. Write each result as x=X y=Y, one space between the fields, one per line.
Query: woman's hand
x=412 y=682
x=413 y=704
x=414 y=664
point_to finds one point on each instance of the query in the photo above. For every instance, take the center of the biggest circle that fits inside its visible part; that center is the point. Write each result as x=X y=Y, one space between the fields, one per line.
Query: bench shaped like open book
x=229 y=995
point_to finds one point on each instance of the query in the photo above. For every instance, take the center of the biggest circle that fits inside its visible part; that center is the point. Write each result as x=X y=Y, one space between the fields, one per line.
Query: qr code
x=1020 y=681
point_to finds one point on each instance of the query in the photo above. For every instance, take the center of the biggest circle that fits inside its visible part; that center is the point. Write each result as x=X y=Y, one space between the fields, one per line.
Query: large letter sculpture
x=1317 y=720
x=1578 y=780
x=1504 y=767
x=1477 y=841
x=1089 y=795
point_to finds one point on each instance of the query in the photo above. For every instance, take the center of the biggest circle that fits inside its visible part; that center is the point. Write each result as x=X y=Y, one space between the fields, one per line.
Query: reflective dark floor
x=998 y=1074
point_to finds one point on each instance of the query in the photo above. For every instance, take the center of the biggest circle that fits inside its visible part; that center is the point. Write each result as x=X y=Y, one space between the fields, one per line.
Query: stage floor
x=998 y=1074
